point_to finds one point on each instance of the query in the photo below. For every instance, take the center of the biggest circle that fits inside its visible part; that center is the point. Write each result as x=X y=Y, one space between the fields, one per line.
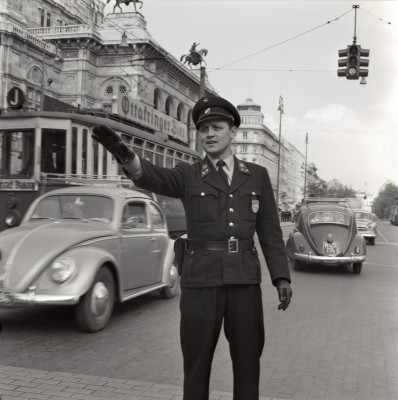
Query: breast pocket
x=250 y=199
x=203 y=203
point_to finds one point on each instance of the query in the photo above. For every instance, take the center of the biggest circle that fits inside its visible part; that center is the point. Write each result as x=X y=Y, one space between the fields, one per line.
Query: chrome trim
x=328 y=260
x=31 y=298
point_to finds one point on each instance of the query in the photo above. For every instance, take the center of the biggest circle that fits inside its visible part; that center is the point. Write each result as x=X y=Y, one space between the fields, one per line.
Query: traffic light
x=353 y=62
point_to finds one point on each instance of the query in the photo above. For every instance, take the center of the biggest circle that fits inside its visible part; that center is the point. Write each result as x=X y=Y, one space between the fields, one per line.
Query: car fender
x=88 y=260
x=358 y=241
x=295 y=239
x=168 y=262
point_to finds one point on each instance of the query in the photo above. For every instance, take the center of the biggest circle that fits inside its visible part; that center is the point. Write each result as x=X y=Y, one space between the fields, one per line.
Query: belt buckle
x=233 y=245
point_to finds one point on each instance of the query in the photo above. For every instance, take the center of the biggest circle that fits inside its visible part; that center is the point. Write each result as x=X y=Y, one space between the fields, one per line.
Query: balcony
x=66 y=32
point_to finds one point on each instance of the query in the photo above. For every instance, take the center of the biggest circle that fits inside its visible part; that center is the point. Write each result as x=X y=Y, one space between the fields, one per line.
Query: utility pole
x=280 y=108
x=305 y=167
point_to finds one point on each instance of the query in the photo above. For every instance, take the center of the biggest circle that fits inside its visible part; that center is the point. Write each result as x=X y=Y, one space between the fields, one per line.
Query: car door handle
x=153 y=239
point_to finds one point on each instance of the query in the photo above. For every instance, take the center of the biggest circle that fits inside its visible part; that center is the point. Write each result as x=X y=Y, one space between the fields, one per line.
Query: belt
x=230 y=245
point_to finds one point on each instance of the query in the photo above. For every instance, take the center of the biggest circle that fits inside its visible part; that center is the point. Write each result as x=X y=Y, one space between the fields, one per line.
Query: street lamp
x=56 y=58
x=280 y=108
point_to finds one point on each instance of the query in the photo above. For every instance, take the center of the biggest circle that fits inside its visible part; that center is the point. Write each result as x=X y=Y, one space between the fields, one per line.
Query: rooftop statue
x=127 y=2
x=194 y=56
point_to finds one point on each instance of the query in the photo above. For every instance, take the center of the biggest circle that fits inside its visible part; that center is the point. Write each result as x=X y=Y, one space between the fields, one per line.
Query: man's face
x=216 y=137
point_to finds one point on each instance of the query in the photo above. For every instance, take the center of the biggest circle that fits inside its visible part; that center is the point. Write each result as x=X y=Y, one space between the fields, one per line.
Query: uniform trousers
x=203 y=311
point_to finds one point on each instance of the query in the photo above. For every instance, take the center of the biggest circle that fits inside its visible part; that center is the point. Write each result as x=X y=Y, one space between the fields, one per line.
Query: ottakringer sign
x=152 y=118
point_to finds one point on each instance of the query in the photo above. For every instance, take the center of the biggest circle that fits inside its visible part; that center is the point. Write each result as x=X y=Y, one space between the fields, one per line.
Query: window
x=109 y=90
x=244 y=135
x=134 y=216
x=243 y=149
x=122 y=89
x=48 y=19
x=53 y=145
x=157 y=217
x=16 y=154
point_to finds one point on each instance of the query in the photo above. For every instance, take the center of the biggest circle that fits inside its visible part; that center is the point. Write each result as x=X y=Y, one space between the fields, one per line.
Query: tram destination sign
x=18 y=184
x=152 y=118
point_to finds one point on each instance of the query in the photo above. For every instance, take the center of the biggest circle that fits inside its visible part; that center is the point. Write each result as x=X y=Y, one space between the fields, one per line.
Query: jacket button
x=202 y=194
x=231 y=210
x=231 y=224
x=231 y=195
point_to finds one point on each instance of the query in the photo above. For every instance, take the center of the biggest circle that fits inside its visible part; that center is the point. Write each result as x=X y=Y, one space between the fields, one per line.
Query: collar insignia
x=243 y=168
x=205 y=169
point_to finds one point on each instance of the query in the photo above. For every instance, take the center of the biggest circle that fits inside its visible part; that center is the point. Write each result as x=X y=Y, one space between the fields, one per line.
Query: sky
x=263 y=49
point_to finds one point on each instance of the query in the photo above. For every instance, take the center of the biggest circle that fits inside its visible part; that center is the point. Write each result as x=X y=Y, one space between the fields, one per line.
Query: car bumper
x=367 y=235
x=328 y=260
x=9 y=299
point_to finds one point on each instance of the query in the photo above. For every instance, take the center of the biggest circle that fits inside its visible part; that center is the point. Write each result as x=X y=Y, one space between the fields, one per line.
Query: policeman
x=226 y=202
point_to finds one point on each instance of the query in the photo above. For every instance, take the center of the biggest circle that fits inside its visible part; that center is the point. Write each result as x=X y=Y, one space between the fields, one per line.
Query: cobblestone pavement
x=338 y=340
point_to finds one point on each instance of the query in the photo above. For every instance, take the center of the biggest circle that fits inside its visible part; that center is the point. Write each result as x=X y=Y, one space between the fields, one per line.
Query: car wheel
x=95 y=308
x=296 y=265
x=168 y=292
x=357 y=268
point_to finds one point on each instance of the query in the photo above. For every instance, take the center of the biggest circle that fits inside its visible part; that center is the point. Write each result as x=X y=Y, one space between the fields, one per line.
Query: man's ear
x=234 y=131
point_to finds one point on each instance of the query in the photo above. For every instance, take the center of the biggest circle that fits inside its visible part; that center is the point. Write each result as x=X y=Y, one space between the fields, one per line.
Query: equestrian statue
x=194 y=56
x=127 y=2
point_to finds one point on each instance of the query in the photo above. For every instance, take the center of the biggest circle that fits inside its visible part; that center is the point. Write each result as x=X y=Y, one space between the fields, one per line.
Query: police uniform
x=221 y=273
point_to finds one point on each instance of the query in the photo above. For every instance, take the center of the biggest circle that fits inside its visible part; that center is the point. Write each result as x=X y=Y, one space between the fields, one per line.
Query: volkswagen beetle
x=87 y=247
x=326 y=233
x=367 y=225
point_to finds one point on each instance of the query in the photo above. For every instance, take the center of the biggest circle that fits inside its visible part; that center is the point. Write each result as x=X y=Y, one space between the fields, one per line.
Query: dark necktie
x=223 y=174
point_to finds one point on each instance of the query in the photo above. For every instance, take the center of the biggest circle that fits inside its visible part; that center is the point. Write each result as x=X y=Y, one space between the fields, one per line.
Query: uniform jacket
x=215 y=212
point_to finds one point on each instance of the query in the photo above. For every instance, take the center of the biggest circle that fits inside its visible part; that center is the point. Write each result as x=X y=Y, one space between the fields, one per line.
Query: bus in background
x=394 y=215
x=46 y=150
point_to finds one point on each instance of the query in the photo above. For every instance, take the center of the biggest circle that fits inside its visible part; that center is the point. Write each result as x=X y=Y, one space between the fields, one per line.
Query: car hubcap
x=99 y=298
x=173 y=276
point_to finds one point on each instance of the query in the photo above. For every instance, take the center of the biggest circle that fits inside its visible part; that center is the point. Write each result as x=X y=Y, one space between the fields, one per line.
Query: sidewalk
x=22 y=383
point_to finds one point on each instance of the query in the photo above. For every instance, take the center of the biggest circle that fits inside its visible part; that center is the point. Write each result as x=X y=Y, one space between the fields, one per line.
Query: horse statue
x=194 y=56
x=127 y=2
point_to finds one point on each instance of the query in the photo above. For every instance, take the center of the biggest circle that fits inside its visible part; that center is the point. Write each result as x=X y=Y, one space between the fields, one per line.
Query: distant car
x=326 y=233
x=89 y=247
x=367 y=225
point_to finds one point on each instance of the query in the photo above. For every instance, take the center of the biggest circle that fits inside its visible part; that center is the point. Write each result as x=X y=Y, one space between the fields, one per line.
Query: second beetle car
x=326 y=233
x=89 y=247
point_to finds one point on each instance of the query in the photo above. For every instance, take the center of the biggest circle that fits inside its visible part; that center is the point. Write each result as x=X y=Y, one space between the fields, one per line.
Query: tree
x=336 y=189
x=317 y=189
x=386 y=197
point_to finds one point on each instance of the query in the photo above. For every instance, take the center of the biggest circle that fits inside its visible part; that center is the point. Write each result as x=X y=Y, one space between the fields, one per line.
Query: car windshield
x=327 y=217
x=362 y=215
x=87 y=207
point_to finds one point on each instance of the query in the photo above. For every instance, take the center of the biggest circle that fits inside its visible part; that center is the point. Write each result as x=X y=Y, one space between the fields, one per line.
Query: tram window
x=95 y=157
x=138 y=150
x=84 y=152
x=169 y=162
x=74 y=150
x=159 y=159
x=16 y=154
x=53 y=145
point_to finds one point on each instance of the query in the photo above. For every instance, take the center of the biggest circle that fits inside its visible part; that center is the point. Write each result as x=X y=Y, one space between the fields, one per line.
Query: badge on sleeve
x=255 y=203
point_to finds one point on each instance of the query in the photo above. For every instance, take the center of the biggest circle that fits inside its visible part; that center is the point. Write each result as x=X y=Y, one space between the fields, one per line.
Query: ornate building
x=69 y=51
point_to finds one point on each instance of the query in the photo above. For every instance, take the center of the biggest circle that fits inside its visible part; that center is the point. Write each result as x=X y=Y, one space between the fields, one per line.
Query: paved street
x=337 y=340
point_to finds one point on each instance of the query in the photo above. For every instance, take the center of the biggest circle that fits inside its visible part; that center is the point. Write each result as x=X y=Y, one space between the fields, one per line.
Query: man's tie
x=223 y=174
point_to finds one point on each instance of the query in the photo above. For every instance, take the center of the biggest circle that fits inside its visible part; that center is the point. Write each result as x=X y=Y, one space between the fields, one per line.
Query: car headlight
x=370 y=227
x=62 y=269
x=12 y=218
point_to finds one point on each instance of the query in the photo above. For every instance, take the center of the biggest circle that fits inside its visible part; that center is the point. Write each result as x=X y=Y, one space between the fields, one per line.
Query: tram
x=46 y=150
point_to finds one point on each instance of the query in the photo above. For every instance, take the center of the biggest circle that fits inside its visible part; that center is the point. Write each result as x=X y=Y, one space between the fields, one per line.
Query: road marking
x=383 y=236
x=391 y=244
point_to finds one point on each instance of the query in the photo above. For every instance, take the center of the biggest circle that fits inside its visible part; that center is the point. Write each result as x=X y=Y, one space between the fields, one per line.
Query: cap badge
x=207 y=110
x=205 y=100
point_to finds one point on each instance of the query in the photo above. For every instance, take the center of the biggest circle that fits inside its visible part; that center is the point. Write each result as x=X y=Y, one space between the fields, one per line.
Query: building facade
x=70 y=51
x=256 y=143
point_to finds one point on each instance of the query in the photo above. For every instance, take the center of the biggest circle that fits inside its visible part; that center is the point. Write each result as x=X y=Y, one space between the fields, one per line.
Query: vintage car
x=326 y=233
x=367 y=225
x=89 y=247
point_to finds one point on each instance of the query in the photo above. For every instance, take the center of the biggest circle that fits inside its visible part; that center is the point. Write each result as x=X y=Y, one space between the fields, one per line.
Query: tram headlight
x=62 y=269
x=12 y=218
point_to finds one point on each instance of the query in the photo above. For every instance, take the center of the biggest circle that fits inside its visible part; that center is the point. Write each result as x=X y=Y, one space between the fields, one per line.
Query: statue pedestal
x=133 y=23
